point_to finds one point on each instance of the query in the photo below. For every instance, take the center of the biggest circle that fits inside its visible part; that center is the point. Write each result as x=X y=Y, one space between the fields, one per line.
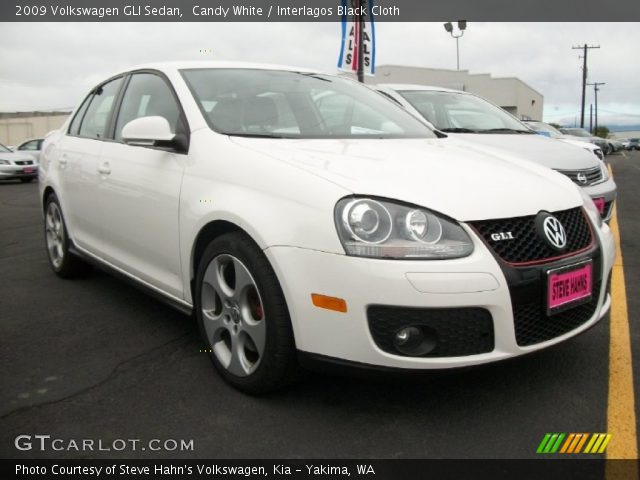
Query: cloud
x=52 y=65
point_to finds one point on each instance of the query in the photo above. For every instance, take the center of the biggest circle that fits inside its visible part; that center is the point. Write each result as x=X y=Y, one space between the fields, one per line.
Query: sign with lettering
x=357 y=16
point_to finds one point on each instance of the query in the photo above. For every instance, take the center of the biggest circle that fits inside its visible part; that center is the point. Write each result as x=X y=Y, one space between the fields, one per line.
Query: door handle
x=104 y=168
x=62 y=161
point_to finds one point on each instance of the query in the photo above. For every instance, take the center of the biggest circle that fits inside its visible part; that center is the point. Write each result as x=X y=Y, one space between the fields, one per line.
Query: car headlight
x=378 y=228
x=597 y=152
x=605 y=171
x=590 y=207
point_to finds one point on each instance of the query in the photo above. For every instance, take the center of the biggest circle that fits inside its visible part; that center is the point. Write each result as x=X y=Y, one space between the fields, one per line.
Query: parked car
x=547 y=130
x=483 y=125
x=31 y=148
x=304 y=218
x=634 y=144
x=17 y=166
x=581 y=133
x=615 y=145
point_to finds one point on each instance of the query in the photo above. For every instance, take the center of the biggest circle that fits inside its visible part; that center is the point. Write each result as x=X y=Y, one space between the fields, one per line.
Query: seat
x=259 y=114
x=226 y=115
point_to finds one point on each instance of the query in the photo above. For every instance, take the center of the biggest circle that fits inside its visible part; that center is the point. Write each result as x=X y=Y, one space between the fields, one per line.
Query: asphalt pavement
x=95 y=358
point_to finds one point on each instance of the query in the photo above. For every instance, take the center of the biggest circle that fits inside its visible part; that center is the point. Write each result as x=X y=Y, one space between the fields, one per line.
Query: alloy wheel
x=233 y=315
x=54 y=227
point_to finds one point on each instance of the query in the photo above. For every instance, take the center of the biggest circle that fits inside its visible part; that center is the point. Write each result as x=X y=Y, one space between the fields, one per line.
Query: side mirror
x=148 y=132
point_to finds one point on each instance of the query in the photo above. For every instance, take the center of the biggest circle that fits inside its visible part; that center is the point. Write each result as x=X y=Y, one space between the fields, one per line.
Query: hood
x=586 y=139
x=535 y=148
x=578 y=143
x=437 y=174
x=15 y=156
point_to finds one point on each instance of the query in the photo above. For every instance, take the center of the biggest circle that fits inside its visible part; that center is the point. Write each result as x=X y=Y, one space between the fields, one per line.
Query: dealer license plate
x=569 y=286
x=600 y=203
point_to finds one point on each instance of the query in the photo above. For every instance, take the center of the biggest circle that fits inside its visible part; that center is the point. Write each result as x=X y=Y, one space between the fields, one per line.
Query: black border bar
x=317 y=10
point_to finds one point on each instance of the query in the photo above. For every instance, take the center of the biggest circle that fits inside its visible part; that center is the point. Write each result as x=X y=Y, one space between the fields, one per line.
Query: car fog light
x=415 y=341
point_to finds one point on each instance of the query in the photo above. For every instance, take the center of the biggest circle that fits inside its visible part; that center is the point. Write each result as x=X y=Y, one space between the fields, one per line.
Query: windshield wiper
x=505 y=130
x=458 y=130
x=257 y=135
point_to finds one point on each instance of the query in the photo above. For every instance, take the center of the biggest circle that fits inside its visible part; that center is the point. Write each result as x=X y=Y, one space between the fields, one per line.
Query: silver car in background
x=17 y=166
x=31 y=147
x=542 y=128
x=486 y=127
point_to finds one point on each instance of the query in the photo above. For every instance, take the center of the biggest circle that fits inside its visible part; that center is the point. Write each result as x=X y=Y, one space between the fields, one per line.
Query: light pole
x=462 y=26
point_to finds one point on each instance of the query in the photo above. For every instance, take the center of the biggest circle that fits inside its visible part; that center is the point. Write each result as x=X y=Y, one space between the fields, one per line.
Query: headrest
x=260 y=111
x=226 y=115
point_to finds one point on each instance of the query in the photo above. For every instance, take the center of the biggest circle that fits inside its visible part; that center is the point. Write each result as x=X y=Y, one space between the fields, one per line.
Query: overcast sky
x=52 y=65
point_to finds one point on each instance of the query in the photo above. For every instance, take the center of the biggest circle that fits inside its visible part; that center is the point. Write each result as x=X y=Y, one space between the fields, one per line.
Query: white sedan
x=303 y=218
x=487 y=127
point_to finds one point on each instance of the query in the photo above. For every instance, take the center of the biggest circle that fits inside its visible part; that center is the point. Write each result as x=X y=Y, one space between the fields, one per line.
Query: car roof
x=173 y=66
x=412 y=87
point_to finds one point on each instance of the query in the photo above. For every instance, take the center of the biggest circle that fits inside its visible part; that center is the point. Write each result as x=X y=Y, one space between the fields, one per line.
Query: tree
x=602 y=131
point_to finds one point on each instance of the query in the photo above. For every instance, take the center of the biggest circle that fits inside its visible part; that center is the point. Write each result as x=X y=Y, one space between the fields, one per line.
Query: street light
x=462 y=26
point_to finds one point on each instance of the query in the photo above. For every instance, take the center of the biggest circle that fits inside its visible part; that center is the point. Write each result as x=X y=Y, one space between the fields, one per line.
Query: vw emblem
x=582 y=178
x=550 y=228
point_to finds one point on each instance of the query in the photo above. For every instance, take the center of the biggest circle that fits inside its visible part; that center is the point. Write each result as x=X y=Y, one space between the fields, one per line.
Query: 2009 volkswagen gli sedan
x=303 y=217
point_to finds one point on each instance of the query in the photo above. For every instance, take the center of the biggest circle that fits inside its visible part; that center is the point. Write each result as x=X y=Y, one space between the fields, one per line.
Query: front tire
x=62 y=261
x=243 y=316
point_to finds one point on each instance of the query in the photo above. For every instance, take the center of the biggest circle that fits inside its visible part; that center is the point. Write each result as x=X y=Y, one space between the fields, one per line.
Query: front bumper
x=12 y=172
x=477 y=281
x=607 y=191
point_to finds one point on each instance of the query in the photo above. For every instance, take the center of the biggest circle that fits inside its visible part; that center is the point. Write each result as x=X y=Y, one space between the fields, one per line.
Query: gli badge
x=551 y=230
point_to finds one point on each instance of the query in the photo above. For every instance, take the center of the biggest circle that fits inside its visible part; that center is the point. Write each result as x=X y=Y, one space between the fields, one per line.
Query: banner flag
x=348 y=59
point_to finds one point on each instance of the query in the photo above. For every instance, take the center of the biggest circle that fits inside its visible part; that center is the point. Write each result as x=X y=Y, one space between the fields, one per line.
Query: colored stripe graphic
x=543 y=443
x=573 y=443
x=567 y=442
x=581 y=443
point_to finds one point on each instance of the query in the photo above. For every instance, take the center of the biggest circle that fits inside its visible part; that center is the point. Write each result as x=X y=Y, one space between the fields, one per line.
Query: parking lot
x=95 y=358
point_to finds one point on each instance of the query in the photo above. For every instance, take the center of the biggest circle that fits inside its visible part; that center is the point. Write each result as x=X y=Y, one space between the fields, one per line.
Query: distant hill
x=624 y=128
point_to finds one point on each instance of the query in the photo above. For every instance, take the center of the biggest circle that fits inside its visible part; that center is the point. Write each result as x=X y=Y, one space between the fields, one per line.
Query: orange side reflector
x=330 y=303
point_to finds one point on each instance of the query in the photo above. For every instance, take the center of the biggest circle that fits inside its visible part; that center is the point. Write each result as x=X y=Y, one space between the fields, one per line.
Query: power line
x=585 y=48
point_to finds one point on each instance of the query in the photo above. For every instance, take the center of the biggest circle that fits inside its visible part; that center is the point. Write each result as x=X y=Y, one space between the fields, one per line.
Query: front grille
x=587 y=177
x=526 y=245
x=459 y=331
x=23 y=162
x=534 y=326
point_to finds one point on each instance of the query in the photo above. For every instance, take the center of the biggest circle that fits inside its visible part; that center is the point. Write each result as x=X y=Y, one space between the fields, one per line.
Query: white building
x=510 y=93
x=16 y=127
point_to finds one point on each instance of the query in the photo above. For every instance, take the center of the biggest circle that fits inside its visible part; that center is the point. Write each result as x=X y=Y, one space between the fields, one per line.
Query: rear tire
x=26 y=180
x=243 y=316
x=62 y=261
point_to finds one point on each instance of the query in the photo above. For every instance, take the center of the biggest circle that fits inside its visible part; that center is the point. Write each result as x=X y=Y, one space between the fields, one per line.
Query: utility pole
x=585 y=49
x=591 y=118
x=595 y=91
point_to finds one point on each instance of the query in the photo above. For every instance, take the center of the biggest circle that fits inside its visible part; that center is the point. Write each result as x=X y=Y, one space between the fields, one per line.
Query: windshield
x=462 y=113
x=4 y=149
x=282 y=104
x=545 y=128
x=576 y=132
